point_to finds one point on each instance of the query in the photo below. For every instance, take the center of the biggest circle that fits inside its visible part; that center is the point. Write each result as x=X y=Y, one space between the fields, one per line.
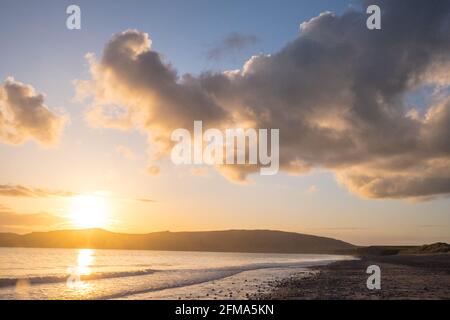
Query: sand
x=402 y=277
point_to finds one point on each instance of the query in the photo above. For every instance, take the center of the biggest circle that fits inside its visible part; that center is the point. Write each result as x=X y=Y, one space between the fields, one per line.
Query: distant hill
x=256 y=241
x=433 y=248
x=438 y=247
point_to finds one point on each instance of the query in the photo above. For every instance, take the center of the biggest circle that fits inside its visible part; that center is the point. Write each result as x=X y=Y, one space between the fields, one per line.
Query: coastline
x=425 y=276
x=242 y=285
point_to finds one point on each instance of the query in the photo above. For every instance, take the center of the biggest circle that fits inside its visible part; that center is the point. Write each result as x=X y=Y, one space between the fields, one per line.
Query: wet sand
x=241 y=286
x=402 y=277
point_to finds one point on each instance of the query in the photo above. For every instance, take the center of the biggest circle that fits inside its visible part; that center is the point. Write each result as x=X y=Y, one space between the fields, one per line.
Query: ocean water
x=32 y=273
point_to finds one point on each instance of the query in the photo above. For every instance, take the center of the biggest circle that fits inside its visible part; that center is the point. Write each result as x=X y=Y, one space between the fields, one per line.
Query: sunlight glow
x=89 y=211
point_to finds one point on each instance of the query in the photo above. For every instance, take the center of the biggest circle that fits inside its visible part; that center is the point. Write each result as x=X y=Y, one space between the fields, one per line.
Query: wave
x=34 y=280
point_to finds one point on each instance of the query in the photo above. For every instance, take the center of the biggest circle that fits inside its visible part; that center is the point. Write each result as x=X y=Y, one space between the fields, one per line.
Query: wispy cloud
x=231 y=44
x=125 y=152
x=22 y=222
x=22 y=191
x=153 y=170
x=145 y=200
x=200 y=172
x=345 y=228
x=312 y=190
x=433 y=226
x=34 y=219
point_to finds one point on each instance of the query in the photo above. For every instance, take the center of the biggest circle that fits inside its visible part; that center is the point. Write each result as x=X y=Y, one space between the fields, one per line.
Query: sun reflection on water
x=85 y=259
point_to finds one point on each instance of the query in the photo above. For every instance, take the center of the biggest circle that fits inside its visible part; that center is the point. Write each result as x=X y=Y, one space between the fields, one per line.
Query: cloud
x=21 y=223
x=231 y=44
x=199 y=171
x=24 y=116
x=345 y=228
x=145 y=200
x=22 y=191
x=153 y=170
x=125 y=152
x=432 y=226
x=312 y=190
x=337 y=92
x=35 y=219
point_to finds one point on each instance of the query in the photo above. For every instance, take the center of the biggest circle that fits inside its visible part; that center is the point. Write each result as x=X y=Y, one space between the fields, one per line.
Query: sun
x=88 y=211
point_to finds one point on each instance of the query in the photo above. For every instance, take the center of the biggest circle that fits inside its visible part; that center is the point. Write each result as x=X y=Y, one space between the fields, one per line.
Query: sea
x=38 y=273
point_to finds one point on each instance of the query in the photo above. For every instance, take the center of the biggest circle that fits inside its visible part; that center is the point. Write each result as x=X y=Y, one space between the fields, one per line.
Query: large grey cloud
x=337 y=93
x=24 y=116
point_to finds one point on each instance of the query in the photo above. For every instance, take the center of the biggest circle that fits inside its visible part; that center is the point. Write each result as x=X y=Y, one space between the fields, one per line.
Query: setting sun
x=88 y=211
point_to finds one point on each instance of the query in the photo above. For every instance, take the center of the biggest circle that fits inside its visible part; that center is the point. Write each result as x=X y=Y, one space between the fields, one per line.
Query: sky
x=369 y=165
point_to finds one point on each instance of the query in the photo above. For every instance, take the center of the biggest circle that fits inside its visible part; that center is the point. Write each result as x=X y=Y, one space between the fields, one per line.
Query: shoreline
x=425 y=276
x=242 y=285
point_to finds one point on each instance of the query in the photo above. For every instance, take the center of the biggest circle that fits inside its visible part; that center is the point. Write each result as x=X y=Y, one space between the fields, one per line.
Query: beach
x=31 y=273
x=425 y=276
